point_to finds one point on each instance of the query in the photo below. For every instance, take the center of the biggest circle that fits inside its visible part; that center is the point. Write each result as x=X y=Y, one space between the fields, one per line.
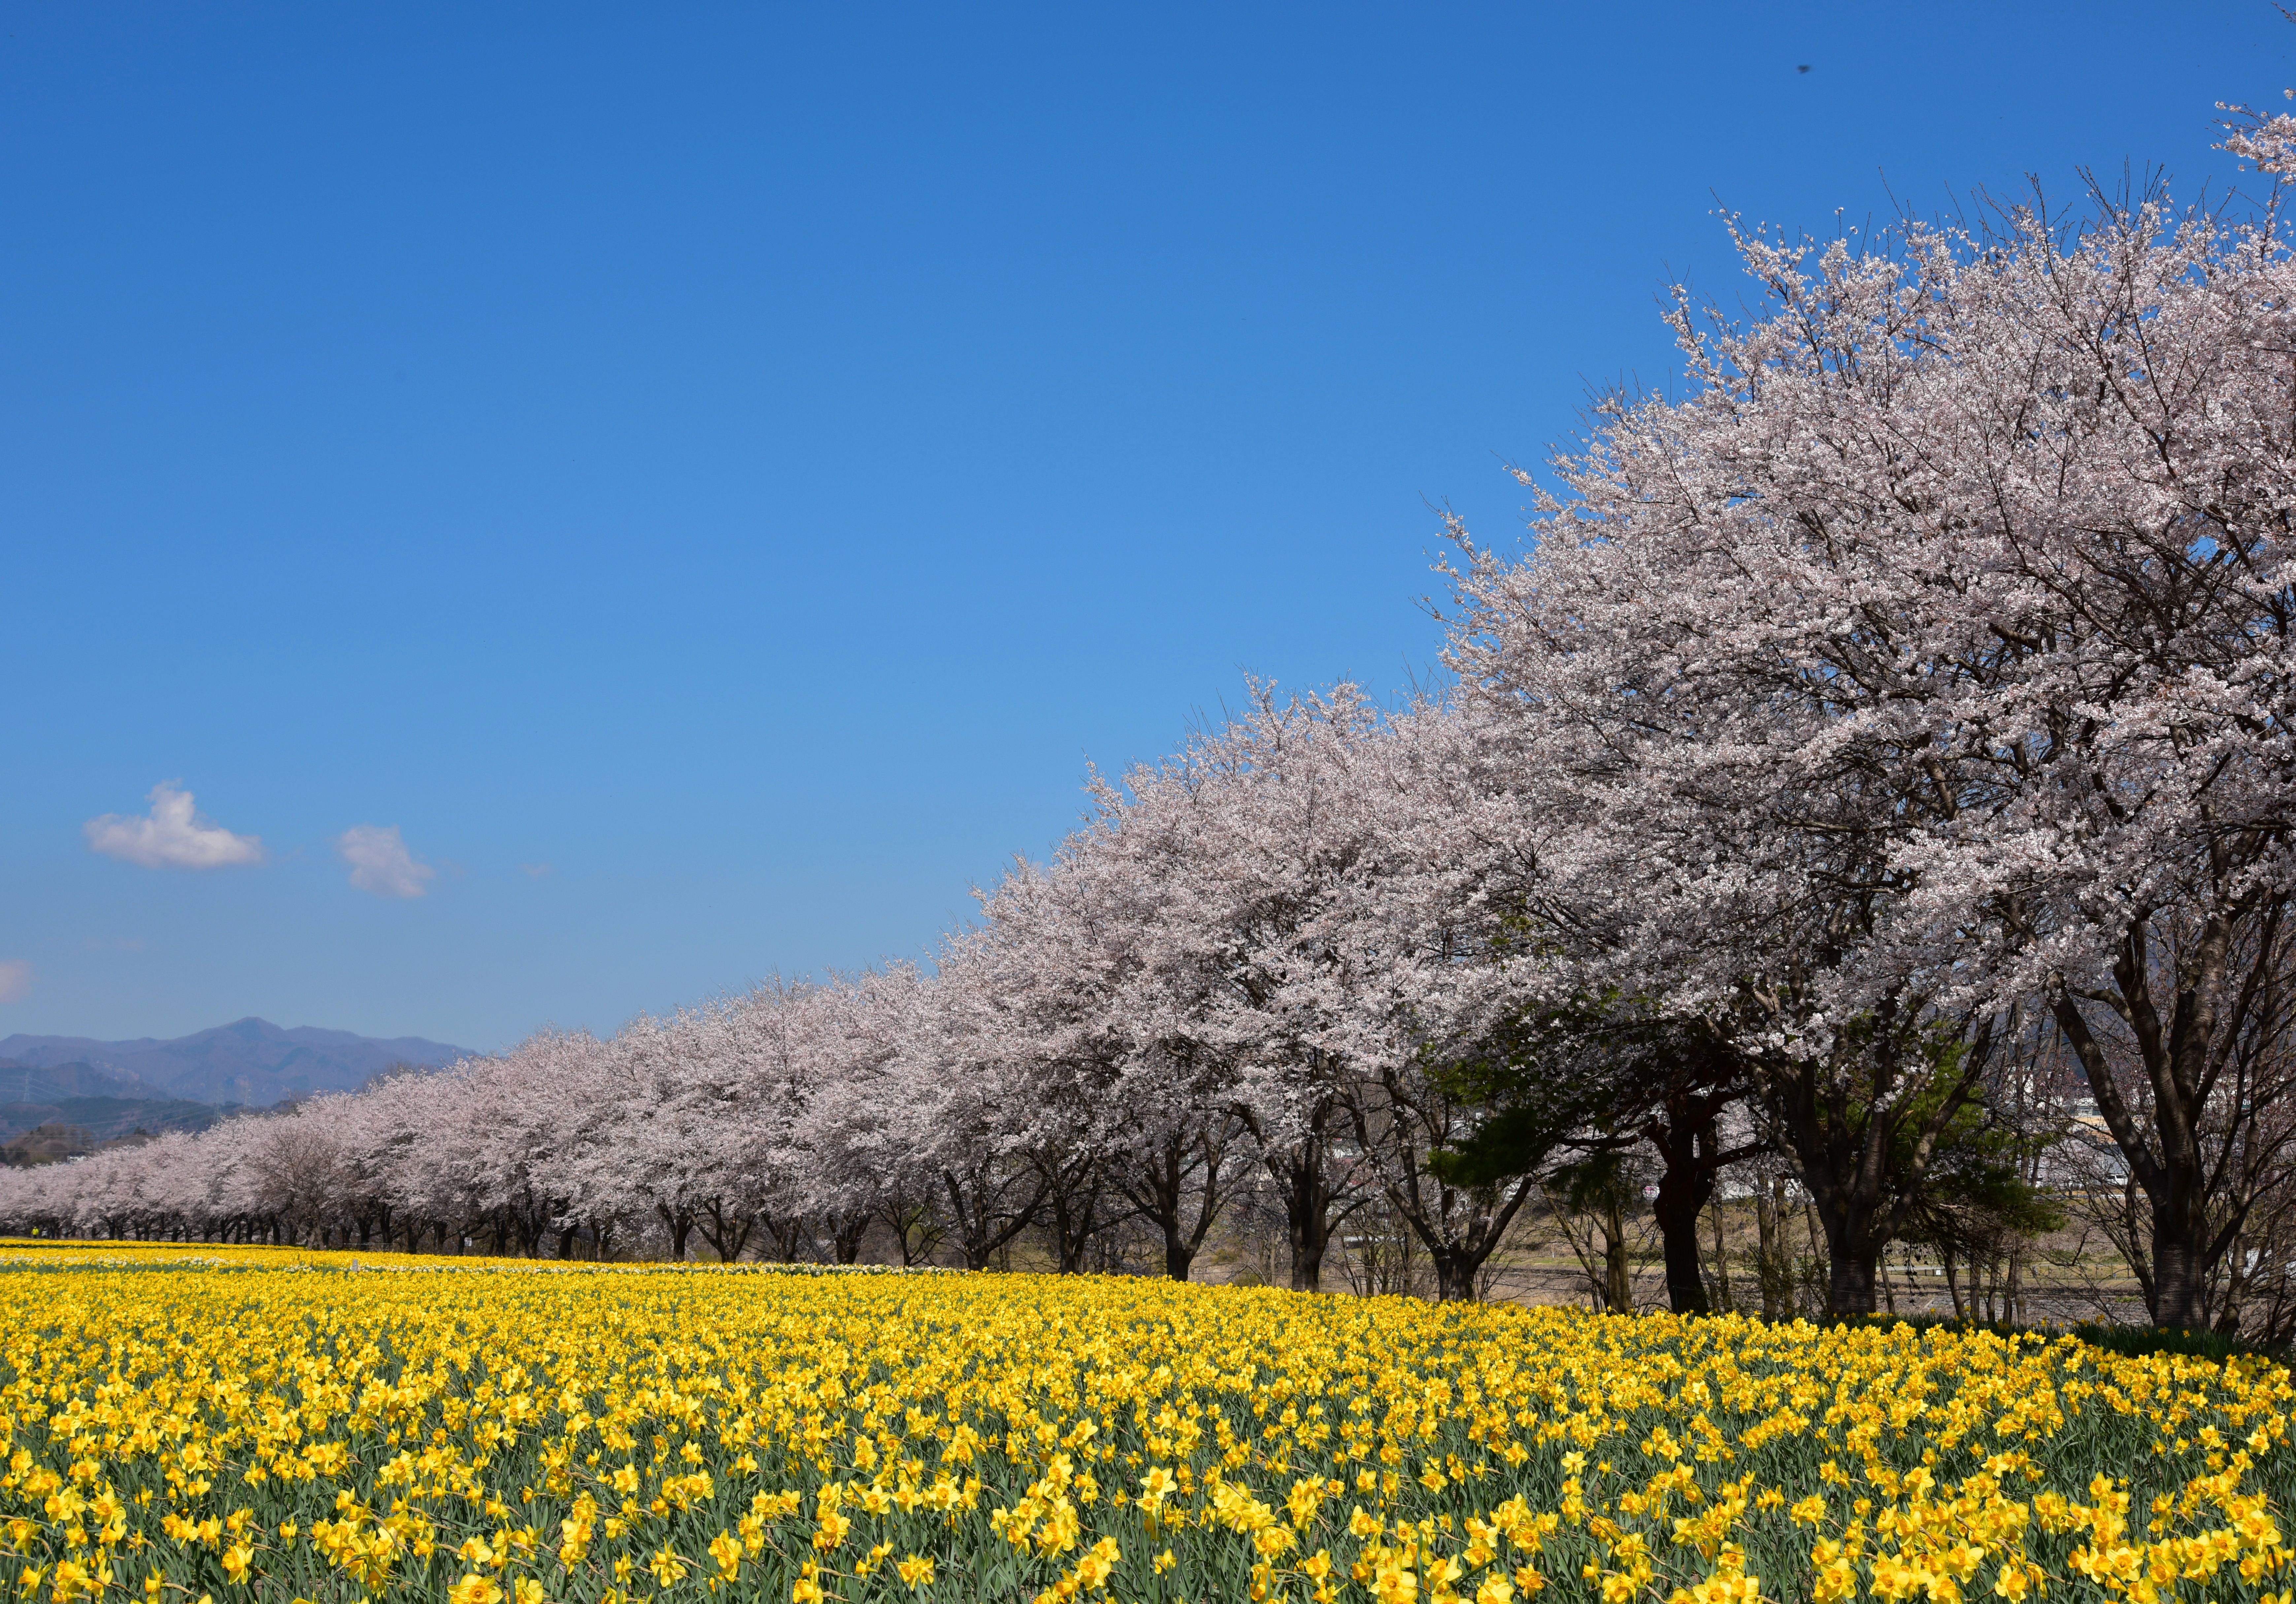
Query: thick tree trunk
x=1850 y=1288
x=1455 y=1275
x=1308 y=1232
x=1073 y=1229
x=2178 y=1266
x=1862 y=1162
x=1685 y=1281
x=1301 y=1175
x=1854 y=1240
x=1308 y=1220
x=1074 y=1194
x=1689 y=1146
x=1680 y=1199
x=680 y=1224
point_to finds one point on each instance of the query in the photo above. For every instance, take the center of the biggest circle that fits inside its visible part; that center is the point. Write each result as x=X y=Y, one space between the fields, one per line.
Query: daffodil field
x=189 y=1423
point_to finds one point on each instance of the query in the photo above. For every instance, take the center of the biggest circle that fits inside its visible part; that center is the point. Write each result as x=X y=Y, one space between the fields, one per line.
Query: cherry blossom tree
x=1285 y=927
x=1931 y=654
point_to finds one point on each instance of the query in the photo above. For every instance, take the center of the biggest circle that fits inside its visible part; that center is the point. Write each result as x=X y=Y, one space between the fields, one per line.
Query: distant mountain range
x=251 y=1061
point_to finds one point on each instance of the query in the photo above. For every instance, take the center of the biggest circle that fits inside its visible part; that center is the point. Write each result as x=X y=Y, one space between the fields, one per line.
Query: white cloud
x=171 y=835
x=380 y=862
x=537 y=870
x=15 y=979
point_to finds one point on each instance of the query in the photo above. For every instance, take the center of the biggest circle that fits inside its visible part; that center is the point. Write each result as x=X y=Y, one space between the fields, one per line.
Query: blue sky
x=710 y=477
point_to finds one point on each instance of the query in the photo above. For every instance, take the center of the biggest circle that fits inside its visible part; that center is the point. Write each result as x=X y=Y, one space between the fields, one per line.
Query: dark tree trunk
x=983 y=1227
x=726 y=1229
x=2179 y=1252
x=1072 y=1194
x=1302 y=1174
x=1677 y=1211
x=1862 y=1164
x=1157 y=1182
x=2216 y=992
x=1701 y=1078
x=1850 y=1288
x=680 y=1222
x=1307 y=1216
x=1455 y=1275
x=1459 y=1225
x=1690 y=1154
x=1075 y=1223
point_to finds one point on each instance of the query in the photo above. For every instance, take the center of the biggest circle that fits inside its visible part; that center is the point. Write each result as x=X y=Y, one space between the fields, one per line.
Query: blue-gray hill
x=251 y=1061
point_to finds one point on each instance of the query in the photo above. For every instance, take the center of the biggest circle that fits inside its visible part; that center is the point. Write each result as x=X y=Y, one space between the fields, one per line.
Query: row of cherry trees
x=1245 y=971
x=1233 y=977
x=1901 y=711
